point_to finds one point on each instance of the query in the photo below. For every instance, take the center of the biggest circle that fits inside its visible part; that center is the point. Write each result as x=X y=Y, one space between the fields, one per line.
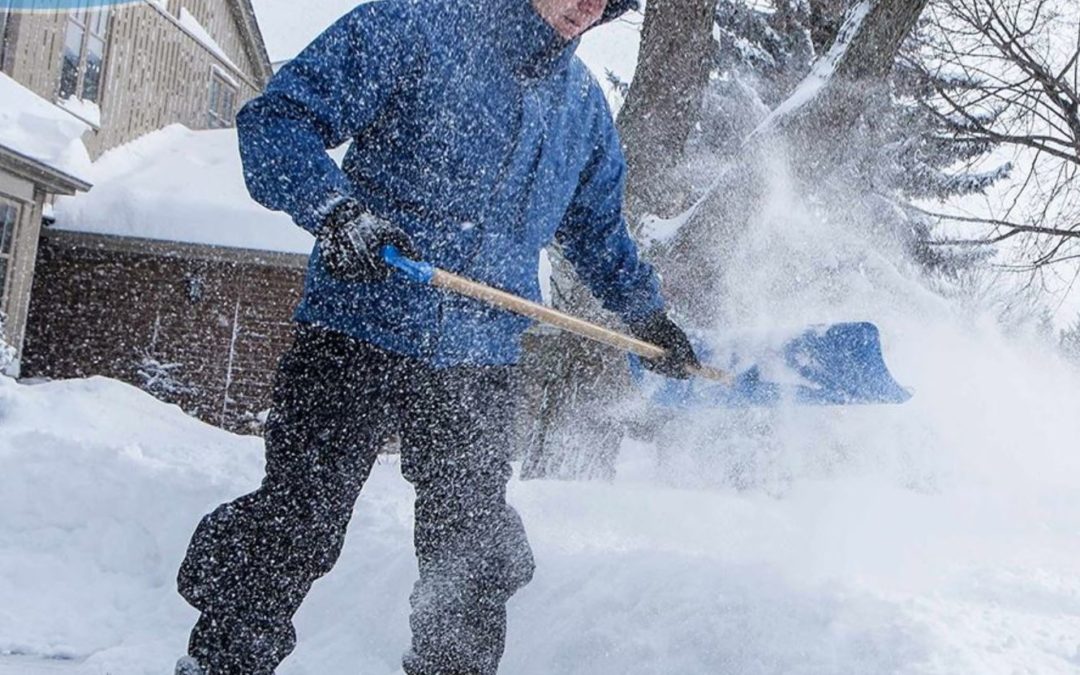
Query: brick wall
x=197 y=326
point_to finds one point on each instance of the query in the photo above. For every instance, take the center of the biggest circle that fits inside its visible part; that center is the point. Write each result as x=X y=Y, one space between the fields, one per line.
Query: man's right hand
x=661 y=331
x=351 y=241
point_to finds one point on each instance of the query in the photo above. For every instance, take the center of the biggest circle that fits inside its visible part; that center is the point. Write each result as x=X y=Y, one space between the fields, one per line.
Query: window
x=9 y=221
x=222 y=103
x=84 y=54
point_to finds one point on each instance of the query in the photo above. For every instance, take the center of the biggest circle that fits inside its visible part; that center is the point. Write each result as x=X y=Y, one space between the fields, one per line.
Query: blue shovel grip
x=415 y=270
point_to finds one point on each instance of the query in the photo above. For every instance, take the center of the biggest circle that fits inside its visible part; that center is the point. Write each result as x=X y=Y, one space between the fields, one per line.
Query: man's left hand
x=661 y=331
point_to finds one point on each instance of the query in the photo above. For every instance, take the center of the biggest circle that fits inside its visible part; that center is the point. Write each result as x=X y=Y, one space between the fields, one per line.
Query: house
x=41 y=155
x=108 y=73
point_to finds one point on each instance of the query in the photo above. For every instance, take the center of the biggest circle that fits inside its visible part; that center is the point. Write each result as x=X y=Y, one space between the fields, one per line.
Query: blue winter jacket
x=476 y=130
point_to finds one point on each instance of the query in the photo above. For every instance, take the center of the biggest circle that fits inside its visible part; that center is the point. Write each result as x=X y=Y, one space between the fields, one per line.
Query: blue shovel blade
x=839 y=364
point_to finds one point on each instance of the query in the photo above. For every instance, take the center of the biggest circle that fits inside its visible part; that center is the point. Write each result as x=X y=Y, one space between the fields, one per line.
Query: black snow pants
x=336 y=402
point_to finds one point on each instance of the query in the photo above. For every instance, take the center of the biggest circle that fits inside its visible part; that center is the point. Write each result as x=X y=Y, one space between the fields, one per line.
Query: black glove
x=351 y=242
x=662 y=332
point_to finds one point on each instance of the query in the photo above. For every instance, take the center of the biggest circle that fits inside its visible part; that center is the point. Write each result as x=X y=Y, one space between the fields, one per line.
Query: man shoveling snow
x=478 y=138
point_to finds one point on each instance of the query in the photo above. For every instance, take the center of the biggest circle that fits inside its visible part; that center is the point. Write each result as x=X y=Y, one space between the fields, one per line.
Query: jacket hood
x=529 y=45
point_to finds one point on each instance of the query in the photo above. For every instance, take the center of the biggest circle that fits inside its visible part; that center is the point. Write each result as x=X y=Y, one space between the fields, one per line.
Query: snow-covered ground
x=852 y=573
x=937 y=537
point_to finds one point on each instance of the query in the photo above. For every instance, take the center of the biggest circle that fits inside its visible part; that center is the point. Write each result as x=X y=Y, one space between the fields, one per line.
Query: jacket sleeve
x=329 y=93
x=595 y=239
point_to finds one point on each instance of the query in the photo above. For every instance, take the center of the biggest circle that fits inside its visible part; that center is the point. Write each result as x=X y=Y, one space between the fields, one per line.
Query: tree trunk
x=664 y=102
x=816 y=128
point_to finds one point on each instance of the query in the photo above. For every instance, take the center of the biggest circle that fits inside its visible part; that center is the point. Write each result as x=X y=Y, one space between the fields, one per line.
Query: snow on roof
x=36 y=128
x=199 y=32
x=179 y=185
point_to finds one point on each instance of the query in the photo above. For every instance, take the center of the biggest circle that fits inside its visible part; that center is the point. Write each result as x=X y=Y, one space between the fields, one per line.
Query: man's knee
x=242 y=548
x=218 y=538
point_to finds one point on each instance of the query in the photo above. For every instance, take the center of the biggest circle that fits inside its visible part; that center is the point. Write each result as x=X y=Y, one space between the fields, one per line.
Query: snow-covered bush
x=160 y=378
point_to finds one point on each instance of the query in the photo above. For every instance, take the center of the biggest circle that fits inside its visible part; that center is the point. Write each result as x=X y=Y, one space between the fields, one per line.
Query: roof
x=40 y=140
x=244 y=13
x=182 y=186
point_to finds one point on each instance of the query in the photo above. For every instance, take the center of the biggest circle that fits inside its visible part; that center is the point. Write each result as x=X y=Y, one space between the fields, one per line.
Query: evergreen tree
x=900 y=153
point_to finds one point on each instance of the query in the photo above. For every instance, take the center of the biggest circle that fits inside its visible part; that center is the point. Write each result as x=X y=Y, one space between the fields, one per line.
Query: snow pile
x=33 y=127
x=102 y=488
x=176 y=184
x=87 y=111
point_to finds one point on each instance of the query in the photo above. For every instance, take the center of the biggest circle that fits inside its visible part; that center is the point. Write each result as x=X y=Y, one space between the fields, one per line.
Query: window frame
x=14 y=207
x=216 y=117
x=94 y=26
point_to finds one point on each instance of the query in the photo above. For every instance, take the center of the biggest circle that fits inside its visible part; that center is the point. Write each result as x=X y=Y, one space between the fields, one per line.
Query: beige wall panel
x=15 y=187
x=36 y=59
x=26 y=243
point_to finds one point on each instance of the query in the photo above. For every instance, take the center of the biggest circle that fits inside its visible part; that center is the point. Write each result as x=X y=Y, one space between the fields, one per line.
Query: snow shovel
x=838 y=364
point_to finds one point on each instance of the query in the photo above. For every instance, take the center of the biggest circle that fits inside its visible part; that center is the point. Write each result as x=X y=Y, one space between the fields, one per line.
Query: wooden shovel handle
x=533 y=310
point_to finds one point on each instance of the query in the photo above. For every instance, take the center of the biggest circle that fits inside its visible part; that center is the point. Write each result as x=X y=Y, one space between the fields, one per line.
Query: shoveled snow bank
x=34 y=127
x=176 y=184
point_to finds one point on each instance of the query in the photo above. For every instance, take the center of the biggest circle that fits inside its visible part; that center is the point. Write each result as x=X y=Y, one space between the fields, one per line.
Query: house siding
x=18 y=304
x=222 y=25
x=20 y=192
x=156 y=73
x=100 y=305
